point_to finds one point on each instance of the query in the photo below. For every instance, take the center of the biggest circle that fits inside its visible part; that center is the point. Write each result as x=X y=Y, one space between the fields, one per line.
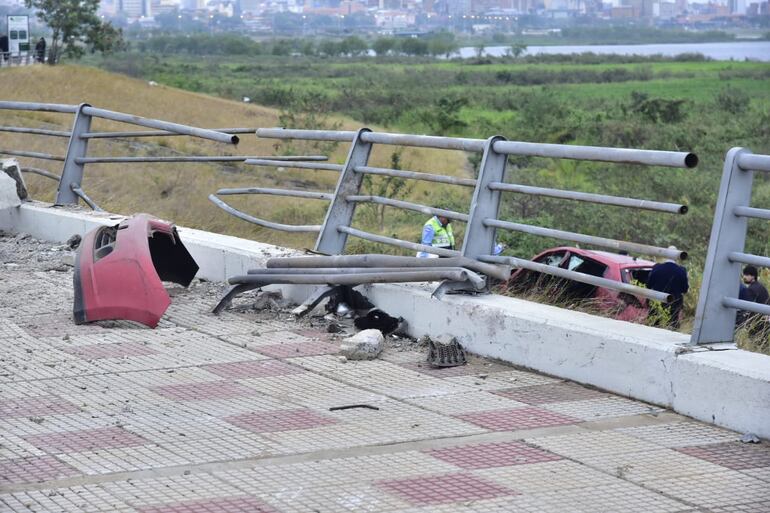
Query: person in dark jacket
x=755 y=292
x=40 y=50
x=671 y=278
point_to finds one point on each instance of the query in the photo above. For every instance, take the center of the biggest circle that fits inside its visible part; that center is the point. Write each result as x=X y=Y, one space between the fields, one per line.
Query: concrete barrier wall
x=724 y=385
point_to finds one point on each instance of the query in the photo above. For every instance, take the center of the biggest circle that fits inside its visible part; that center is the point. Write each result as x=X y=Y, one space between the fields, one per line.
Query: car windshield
x=636 y=275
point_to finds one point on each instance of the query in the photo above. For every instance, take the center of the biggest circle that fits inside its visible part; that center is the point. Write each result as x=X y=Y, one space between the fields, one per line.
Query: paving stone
x=85 y=440
x=280 y=420
x=35 y=406
x=106 y=461
x=719 y=489
x=336 y=498
x=297 y=349
x=753 y=507
x=592 y=444
x=77 y=499
x=504 y=380
x=254 y=369
x=498 y=454
x=33 y=469
x=219 y=505
x=116 y=350
x=157 y=491
x=658 y=464
x=606 y=407
x=517 y=418
x=547 y=476
x=733 y=455
x=203 y=391
x=551 y=393
x=680 y=434
x=443 y=489
x=469 y=402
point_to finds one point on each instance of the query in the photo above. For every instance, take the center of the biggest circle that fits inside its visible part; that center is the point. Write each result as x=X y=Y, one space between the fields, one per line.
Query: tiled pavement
x=233 y=414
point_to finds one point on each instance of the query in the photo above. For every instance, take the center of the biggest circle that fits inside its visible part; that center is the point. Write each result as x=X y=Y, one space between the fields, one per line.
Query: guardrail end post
x=340 y=212
x=72 y=172
x=713 y=321
x=479 y=238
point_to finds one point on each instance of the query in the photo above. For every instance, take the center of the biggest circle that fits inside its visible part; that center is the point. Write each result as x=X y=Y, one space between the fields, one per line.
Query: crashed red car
x=120 y=270
x=622 y=268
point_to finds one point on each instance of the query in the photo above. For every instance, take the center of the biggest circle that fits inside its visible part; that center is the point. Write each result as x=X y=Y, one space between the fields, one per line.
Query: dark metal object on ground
x=378 y=320
x=119 y=271
x=446 y=355
x=351 y=406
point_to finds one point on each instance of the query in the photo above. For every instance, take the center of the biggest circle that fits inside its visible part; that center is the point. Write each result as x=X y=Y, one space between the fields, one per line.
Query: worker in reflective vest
x=437 y=232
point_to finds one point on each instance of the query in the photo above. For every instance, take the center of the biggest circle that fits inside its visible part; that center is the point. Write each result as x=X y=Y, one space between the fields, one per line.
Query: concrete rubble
x=365 y=345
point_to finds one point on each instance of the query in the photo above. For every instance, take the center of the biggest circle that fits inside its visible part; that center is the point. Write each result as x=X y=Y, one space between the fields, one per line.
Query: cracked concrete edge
x=728 y=387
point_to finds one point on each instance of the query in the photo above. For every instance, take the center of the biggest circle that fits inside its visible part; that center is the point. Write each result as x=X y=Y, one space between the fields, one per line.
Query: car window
x=574 y=262
x=552 y=259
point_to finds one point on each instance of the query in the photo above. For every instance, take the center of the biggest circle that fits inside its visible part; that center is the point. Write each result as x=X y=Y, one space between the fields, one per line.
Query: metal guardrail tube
x=756 y=213
x=307 y=135
x=754 y=162
x=749 y=306
x=621 y=155
x=41 y=172
x=294 y=165
x=39 y=107
x=617 y=245
x=576 y=276
x=358 y=279
x=601 y=199
x=496 y=271
x=409 y=206
x=129 y=160
x=161 y=125
x=425 y=141
x=82 y=195
x=749 y=259
x=339 y=270
x=159 y=133
x=276 y=192
x=34 y=131
x=398 y=242
x=414 y=175
x=261 y=222
x=32 y=154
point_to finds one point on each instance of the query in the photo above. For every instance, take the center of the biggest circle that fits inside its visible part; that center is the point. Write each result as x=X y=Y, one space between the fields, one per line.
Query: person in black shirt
x=755 y=292
x=671 y=278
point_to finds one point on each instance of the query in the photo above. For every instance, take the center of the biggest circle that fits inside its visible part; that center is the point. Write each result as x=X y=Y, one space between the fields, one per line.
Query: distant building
x=135 y=8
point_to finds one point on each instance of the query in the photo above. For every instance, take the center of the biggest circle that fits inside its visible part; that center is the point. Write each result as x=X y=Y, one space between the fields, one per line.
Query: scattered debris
x=446 y=353
x=74 y=241
x=119 y=271
x=365 y=345
x=351 y=406
x=750 y=438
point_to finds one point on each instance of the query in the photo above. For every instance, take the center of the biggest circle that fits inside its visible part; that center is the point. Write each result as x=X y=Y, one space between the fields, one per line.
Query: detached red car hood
x=120 y=270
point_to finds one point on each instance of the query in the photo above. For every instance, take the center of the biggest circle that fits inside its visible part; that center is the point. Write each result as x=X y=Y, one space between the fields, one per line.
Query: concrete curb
x=728 y=387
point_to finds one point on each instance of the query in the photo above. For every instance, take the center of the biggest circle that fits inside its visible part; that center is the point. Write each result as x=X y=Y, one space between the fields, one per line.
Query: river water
x=739 y=50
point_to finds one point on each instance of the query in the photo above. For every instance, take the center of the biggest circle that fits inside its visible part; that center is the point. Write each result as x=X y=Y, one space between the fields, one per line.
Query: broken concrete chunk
x=9 y=198
x=366 y=345
x=750 y=438
x=12 y=168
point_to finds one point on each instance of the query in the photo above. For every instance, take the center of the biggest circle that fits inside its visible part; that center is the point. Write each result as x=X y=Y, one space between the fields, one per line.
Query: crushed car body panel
x=120 y=270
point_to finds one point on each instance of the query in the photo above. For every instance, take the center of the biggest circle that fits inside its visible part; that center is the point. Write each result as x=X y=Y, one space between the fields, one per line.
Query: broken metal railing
x=718 y=302
x=70 y=188
x=482 y=219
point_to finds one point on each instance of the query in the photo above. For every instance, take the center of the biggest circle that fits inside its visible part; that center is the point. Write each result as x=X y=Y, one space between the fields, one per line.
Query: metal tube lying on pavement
x=161 y=125
x=576 y=276
x=357 y=279
x=277 y=192
x=261 y=222
x=620 y=155
x=602 y=199
x=496 y=271
x=415 y=175
x=644 y=249
x=409 y=206
x=294 y=164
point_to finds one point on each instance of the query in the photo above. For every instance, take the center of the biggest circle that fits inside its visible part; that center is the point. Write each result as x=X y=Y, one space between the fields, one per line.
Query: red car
x=607 y=265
